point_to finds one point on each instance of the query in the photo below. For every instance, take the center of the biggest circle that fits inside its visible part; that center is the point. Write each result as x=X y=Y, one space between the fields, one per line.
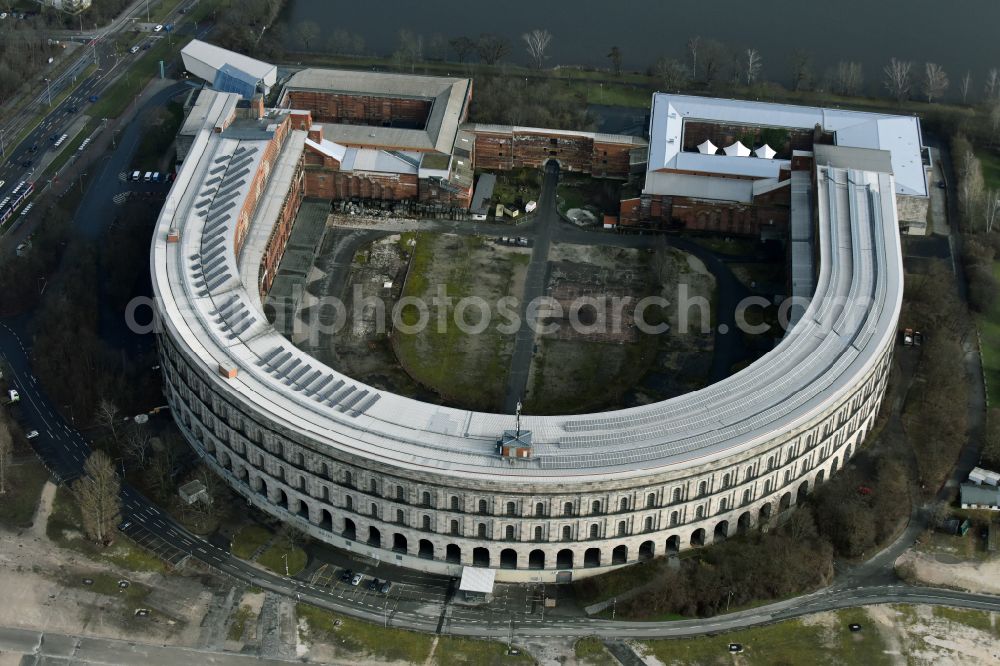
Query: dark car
x=374 y=584
x=34 y=148
x=94 y=98
x=386 y=586
x=346 y=575
x=26 y=164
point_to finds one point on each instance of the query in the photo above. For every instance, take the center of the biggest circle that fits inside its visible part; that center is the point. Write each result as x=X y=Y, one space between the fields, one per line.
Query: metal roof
x=207 y=310
x=448 y=97
x=900 y=135
x=217 y=57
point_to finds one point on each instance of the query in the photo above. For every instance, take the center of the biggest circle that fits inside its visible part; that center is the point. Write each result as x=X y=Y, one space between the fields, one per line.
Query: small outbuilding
x=477 y=584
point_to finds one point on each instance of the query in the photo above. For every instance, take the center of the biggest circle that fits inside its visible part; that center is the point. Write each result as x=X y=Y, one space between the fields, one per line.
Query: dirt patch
x=971 y=576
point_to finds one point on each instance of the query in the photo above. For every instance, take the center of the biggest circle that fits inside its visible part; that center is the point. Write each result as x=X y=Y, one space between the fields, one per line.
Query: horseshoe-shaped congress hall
x=556 y=498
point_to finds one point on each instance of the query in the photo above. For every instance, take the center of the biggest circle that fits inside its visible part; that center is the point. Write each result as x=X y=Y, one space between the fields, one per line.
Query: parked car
x=94 y=98
x=356 y=580
x=346 y=575
x=13 y=395
x=134 y=49
x=158 y=28
x=386 y=586
x=374 y=584
x=148 y=177
x=32 y=434
x=136 y=175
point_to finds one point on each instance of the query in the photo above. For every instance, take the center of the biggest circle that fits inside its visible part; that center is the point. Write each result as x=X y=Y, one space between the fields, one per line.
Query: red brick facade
x=512 y=147
x=347 y=109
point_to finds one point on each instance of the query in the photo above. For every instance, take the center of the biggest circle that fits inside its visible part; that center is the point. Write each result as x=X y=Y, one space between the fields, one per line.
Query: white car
x=356 y=580
x=13 y=395
x=158 y=28
x=2 y=183
x=3 y=15
x=32 y=434
x=134 y=49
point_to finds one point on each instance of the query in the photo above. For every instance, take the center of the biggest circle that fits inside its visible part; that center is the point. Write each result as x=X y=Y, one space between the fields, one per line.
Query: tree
x=492 y=48
x=537 y=41
x=137 y=445
x=935 y=81
x=671 y=73
x=897 y=78
x=966 y=82
x=713 y=54
x=463 y=47
x=692 y=48
x=992 y=86
x=411 y=48
x=6 y=450
x=107 y=416
x=848 y=77
x=802 y=73
x=990 y=209
x=752 y=64
x=97 y=494
x=308 y=31
x=616 y=60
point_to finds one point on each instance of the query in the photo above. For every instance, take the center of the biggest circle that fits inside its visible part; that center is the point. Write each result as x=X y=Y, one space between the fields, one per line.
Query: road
x=21 y=162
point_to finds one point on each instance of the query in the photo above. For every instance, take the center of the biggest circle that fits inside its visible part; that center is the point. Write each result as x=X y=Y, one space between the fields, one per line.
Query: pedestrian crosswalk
x=121 y=198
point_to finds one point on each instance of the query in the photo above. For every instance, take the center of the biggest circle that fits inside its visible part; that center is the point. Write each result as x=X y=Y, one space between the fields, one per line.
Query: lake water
x=961 y=35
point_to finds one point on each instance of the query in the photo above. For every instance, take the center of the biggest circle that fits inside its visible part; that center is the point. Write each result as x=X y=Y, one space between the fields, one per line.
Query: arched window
x=399 y=493
x=725 y=481
x=746 y=496
x=702 y=489
x=348 y=479
x=623 y=504
x=373 y=486
x=425 y=498
x=621 y=528
x=539 y=509
x=595 y=507
x=374 y=510
x=723 y=504
x=699 y=512
x=676 y=496
x=481 y=530
x=454 y=503
x=511 y=509
x=482 y=506
x=425 y=522
x=399 y=516
x=648 y=524
x=749 y=474
x=770 y=463
x=454 y=527
x=568 y=509
x=509 y=533
x=650 y=500
x=348 y=502
x=538 y=533
x=567 y=533
x=594 y=529
x=673 y=518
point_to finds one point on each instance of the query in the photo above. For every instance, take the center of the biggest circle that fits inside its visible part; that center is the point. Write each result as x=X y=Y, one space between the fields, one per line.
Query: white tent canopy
x=738 y=149
x=707 y=148
x=477 y=579
x=765 y=152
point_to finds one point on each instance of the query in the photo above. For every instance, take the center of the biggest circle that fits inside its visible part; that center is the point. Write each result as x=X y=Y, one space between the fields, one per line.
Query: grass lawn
x=362 y=638
x=248 y=540
x=592 y=651
x=241 y=617
x=24 y=485
x=472 y=652
x=273 y=558
x=790 y=642
x=107 y=584
x=990 y=162
x=970 y=618
x=989 y=332
x=116 y=99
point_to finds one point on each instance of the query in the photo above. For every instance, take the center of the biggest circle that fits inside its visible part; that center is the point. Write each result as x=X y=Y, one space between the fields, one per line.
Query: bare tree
x=802 y=74
x=411 y=48
x=992 y=87
x=713 y=55
x=692 y=46
x=463 y=47
x=492 y=48
x=966 y=83
x=935 y=81
x=994 y=107
x=307 y=32
x=897 y=78
x=137 y=445
x=6 y=450
x=848 y=78
x=970 y=178
x=107 y=416
x=990 y=209
x=97 y=493
x=752 y=64
x=671 y=73
x=537 y=41
x=616 y=60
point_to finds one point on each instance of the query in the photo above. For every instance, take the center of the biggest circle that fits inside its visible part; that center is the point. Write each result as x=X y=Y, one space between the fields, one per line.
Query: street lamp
x=48 y=91
x=285 y=558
